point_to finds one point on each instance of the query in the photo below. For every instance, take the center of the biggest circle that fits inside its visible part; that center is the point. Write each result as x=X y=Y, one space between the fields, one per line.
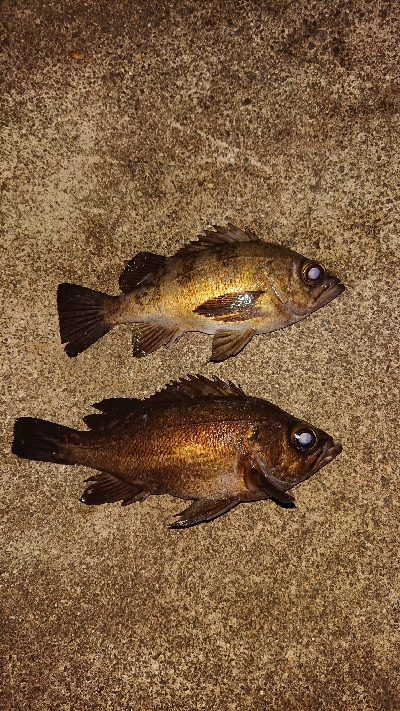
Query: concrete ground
x=281 y=116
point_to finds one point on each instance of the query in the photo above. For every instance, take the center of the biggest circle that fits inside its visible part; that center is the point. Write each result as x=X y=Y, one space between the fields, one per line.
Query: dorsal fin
x=222 y=235
x=198 y=386
x=114 y=410
x=139 y=267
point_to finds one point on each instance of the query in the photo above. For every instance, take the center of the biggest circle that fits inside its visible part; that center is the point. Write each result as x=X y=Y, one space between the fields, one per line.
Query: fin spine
x=221 y=236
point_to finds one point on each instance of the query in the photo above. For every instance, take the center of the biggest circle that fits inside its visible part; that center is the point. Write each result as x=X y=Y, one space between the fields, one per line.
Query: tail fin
x=43 y=441
x=83 y=315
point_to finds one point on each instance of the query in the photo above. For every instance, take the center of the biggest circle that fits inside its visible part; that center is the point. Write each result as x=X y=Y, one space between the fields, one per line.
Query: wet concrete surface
x=280 y=116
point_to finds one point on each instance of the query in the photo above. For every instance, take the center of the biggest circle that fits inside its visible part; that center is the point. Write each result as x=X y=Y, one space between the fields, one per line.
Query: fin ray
x=138 y=268
x=203 y=510
x=228 y=343
x=108 y=489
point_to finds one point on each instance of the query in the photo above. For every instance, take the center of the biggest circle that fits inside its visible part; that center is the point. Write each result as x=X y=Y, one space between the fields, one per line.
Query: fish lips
x=329 y=451
x=332 y=287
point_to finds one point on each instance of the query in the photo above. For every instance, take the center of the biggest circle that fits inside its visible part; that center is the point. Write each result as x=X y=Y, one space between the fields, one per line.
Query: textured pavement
x=280 y=116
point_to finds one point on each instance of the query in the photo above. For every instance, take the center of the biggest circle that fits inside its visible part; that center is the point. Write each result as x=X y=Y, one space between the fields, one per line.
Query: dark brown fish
x=197 y=439
x=228 y=284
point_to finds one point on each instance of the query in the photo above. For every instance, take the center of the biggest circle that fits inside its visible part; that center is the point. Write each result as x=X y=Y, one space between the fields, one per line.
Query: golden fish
x=228 y=284
x=197 y=439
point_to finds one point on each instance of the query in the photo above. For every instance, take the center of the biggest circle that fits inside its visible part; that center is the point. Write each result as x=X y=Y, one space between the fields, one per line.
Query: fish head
x=302 y=285
x=294 y=450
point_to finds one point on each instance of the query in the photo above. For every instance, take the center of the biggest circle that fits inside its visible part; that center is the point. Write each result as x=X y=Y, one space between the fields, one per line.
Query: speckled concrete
x=280 y=116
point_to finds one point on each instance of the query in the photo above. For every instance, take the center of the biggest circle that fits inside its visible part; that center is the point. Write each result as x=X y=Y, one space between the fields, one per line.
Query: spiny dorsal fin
x=114 y=410
x=222 y=235
x=139 y=267
x=198 y=386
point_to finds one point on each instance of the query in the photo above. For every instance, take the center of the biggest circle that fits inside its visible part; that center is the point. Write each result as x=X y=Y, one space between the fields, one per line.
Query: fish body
x=228 y=284
x=198 y=439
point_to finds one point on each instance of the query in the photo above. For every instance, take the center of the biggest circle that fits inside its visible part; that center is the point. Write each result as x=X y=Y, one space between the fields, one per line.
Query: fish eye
x=304 y=438
x=313 y=273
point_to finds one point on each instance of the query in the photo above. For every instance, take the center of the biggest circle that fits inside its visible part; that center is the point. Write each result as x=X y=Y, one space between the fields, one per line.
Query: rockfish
x=229 y=284
x=197 y=439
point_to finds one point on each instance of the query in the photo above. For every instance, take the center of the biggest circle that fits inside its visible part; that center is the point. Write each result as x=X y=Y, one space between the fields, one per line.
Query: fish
x=228 y=284
x=198 y=439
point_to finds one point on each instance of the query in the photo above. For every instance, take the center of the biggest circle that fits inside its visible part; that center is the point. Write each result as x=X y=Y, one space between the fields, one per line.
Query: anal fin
x=107 y=489
x=227 y=343
x=148 y=337
x=203 y=510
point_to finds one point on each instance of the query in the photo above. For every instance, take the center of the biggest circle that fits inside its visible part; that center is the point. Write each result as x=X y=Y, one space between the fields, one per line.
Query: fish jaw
x=329 y=290
x=329 y=451
x=332 y=288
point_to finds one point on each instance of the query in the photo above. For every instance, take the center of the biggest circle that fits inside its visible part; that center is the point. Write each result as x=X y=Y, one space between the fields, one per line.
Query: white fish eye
x=313 y=273
x=303 y=438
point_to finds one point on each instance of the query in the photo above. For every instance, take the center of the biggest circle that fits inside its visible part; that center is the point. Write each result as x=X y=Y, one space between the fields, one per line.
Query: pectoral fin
x=229 y=343
x=203 y=510
x=256 y=481
x=231 y=307
x=268 y=482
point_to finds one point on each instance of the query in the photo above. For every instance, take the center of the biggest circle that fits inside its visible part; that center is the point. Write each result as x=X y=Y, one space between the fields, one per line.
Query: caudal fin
x=84 y=316
x=44 y=441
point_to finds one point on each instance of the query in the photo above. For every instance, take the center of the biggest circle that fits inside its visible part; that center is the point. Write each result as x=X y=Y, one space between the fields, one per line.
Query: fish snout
x=329 y=451
x=332 y=287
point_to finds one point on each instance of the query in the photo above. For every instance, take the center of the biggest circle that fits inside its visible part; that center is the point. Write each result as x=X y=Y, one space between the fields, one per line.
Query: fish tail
x=44 y=441
x=85 y=316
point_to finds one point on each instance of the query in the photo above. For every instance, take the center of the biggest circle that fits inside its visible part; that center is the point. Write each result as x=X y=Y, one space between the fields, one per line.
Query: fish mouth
x=332 y=287
x=330 y=450
x=328 y=290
